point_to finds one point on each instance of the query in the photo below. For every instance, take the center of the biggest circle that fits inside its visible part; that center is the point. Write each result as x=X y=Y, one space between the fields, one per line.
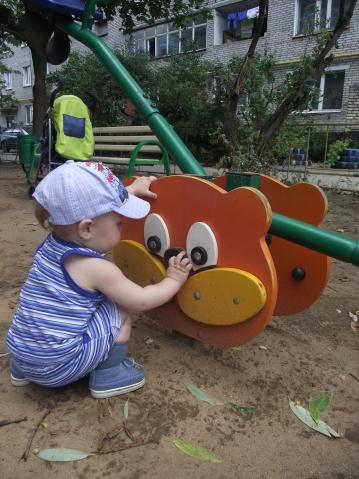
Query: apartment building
x=228 y=33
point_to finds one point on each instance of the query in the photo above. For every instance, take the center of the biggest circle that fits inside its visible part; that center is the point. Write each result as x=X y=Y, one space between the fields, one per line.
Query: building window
x=29 y=114
x=26 y=76
x=314 y=15
x=8 y=80
x=9 y=121
x=331 y=86
x=102 y=28
x=165 y=39
x=233 y=23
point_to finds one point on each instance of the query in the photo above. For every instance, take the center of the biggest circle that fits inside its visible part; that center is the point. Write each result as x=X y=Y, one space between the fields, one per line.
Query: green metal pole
x=164 y=132
x=324 y=241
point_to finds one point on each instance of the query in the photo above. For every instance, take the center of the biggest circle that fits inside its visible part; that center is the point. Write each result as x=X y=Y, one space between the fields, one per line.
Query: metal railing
x=347 y=128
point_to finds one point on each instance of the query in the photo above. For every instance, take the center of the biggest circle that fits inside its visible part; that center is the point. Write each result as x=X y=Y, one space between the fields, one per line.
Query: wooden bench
x=125 y=143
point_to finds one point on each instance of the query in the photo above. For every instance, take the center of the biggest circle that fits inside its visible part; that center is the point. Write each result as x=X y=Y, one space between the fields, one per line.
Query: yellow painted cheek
x=137 y=264
x=222 y=296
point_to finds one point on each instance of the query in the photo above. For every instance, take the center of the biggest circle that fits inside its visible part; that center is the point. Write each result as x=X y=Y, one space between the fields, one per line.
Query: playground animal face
x=233 y=282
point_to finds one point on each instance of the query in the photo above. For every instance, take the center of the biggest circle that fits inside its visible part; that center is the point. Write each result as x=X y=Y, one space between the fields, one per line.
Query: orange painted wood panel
x=305 y=202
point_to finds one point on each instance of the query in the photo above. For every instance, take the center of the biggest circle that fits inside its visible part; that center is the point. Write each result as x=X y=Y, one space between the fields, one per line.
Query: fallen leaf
x=354 y=317
x=305 y=417
x=264 y=348
x=236 y=348
x=354 y=326
x=62 y=455
x=345 y=279
x=243 y=408
x=25 y=265
x=340 y=230
x=125 y=410
x=201 y=395
x=195 y=451
x=338 y=311
x=44 y=425
x=319 y=404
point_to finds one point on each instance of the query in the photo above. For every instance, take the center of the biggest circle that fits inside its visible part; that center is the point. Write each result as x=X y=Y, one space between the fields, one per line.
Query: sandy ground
x=306 y=353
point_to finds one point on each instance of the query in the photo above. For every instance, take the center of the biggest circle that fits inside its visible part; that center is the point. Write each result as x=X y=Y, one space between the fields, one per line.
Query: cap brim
x=134 y=207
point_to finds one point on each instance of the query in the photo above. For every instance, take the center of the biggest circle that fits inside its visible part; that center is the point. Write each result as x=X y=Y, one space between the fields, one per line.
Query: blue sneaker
x=17 y=378
x=123 y=378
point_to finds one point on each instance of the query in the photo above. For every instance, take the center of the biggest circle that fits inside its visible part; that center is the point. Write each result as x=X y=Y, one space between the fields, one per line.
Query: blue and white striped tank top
x=53 y=312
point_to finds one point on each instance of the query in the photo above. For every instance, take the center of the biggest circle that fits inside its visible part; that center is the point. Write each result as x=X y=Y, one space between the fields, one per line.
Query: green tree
x=25 y=21
x=83 y=73
x=296 y=91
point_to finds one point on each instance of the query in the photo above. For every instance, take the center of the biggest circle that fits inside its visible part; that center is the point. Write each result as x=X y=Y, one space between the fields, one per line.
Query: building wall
x=279 y=40
x=23 y=94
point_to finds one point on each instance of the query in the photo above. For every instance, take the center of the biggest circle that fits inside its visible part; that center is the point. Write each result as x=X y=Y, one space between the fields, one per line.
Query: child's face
x=106 y=232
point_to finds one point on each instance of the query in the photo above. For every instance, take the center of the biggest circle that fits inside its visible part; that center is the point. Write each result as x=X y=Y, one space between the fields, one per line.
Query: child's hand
x=179 y=268
x=141 y=187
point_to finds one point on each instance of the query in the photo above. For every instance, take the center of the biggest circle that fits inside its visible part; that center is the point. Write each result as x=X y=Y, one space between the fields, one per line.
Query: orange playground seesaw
x=243 y=274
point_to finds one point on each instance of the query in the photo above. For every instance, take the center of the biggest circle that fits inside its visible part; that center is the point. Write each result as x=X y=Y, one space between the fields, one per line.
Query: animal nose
x=172 y=252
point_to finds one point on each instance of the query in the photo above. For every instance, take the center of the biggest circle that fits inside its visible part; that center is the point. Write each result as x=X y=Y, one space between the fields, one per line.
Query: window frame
x=316 y=19
x=49 y=68
x=320 y=110
x=101 y=28
x=29 y=116
x=223 y=34
x=26 y=76
x=8 y=80
x=150 y=41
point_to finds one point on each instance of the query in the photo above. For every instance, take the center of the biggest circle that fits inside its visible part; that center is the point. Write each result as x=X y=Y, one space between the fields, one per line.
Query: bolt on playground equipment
x=257 y=245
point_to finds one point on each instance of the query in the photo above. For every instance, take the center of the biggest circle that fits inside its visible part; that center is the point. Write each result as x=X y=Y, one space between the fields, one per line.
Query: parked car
x=8 y=138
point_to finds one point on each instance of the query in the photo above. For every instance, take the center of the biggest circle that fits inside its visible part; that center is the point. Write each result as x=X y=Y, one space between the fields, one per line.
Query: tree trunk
x=37 y=38
x=35 y=31
x=39 y=92
x=230 y=121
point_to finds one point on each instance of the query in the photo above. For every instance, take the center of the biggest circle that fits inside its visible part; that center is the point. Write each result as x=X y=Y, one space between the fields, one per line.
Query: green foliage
x=244 y=157
x=334 y=150
x=317 y=144
x=260 y=93
x=85 y=72
x=193 y=95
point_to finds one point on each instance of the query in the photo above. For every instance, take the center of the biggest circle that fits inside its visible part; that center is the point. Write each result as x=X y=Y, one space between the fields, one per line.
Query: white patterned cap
x=76 y=191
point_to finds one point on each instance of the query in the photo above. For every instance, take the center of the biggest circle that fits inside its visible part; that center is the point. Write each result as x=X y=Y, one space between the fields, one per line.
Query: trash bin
x=25 y=146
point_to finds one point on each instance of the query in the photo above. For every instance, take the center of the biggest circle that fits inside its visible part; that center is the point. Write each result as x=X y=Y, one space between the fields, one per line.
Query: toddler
x=74 y=313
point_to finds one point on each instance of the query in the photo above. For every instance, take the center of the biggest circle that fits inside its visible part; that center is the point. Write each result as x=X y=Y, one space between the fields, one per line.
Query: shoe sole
x=19 y=382
x=116 y=392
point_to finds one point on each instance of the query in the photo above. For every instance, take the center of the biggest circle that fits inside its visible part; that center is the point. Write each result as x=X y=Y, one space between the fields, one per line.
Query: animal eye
x=201 y=246
x=157 y=238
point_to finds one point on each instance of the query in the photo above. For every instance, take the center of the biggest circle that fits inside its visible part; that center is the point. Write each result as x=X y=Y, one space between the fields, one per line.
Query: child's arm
x=98 y=275
x=141 y=187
